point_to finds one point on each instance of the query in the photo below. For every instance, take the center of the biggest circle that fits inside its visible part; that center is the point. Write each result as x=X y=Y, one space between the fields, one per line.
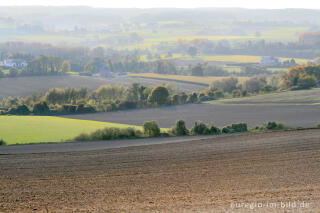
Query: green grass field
x=299 y=97
x=43 y=129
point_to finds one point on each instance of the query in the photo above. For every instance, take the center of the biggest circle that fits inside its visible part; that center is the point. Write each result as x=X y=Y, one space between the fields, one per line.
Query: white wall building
x=270 y=61
x=16 y=63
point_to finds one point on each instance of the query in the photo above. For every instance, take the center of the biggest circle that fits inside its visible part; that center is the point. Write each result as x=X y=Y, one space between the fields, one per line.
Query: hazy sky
x=314 y=4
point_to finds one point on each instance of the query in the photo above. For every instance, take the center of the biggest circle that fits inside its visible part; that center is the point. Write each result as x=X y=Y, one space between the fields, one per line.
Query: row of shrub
x=109 y=134
x=151 y=129
x=42 y=108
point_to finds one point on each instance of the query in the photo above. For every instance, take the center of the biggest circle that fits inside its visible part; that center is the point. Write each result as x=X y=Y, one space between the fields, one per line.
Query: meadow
x=36 y=129
x=300 y=97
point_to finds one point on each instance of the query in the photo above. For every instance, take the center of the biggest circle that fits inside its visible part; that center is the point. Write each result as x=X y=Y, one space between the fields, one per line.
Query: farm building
x=103 y=72
x=16 y=63
x=309 y=38
x=269 y=61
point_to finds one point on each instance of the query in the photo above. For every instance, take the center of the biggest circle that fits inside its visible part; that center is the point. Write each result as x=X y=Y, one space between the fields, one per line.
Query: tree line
x=105 y=98
x=249 y=47
x=110 y=98
x=301 y=77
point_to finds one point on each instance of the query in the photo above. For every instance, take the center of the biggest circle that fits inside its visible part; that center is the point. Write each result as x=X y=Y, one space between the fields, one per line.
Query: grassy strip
x=281 y=98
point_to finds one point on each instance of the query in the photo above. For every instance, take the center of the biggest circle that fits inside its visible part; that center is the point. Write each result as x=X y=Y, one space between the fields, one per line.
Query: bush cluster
x=234 y=128
x=151 y=128
x=109 y=134
x=180 y=128
x=272 y=125
x=19 y=110
x=2 y=142
x=200 y=128
x=301 y=77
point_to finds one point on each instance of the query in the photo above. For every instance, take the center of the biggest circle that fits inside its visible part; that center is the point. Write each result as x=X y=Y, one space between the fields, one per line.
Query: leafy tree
x=41 y=108
x=127 y=104
x=254 y=85
x=212 y=70
x=301 y=77
x=2 y=142
x=137 y=92
x=81 y=108
x=66 y=67
x=226 y=85
x=192 y=98
x=239 y=127
x=151 y=128
x=44 y=65
x=13 y=72
x=159 y=95
x=200 y=128
x=236 y=93
x=183 y=98
x=65 y=96
x=98 y=52
x=109 y=134
x=180 y=128
x=197 y=70
x=272 y=125
x=95 y=65
x=175 y=99
x=19 y=110
x=192 y=51
x=307 y=82
x=214 y=130
x=267 y=88
x=163 y=67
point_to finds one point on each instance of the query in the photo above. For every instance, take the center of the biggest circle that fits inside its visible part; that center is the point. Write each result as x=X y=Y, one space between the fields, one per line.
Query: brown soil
x=197 y=176
x=23 y=86
x=303 y=116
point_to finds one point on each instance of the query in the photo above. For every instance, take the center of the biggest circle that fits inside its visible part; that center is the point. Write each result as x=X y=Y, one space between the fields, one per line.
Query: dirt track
x=202 y=176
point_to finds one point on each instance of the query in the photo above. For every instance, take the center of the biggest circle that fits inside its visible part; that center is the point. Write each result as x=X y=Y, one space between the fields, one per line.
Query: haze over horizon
x=250 y=4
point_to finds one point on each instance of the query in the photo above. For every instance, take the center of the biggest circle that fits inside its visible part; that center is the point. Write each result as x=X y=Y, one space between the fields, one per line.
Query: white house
x=16 y=63
x=270 y=61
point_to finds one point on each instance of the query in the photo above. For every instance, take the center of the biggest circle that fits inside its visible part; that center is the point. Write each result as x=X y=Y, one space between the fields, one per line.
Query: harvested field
x=295 y=115
x=207 y=80
x=211 y=175
x=24 y=86
x=299 y=97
